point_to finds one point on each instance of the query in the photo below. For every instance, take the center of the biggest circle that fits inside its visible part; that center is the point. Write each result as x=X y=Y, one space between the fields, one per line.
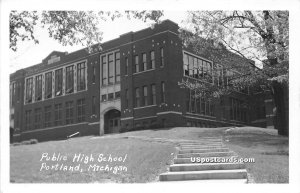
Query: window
x=186 y=64
x=153 y=94
x=117 y=95
x=126 y=99
x=200 y=68
x=126 y=66
x=144 y=62
x=110 y=96
x=103 y=98
x=207 y=109
x=18 y=91
x=81 y=76
x=202 y=102
x=145 y=95
x=110 y=69
x=191 y=66
x=137 y=97
x=94 y=74
x=58 y=114
x=37 y=118
x=218 y=75
x=136 y=63
x=48 y=85
x=195 y=68
x=69 y=112
x=28 y=120
x=152 y=60
x=162 y=59
x=29 y=90
x=38 y=88
x=94 y=106
x=237 y=111
x=80 y=110
x=198 y=105
x=69 y=79
x=104 y=71
x=163 y=96
x=47 y=116
x=209 y=71
x=13 y=93
x=58 y=82
x=117 y=67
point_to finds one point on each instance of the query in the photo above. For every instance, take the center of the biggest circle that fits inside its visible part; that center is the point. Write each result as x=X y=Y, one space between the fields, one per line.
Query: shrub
x=27 y=142
x=33 y=141
x=16 y=144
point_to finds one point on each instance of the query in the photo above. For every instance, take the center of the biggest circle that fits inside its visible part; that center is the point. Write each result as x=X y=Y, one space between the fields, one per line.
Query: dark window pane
x=70 y=79
x=81 y=76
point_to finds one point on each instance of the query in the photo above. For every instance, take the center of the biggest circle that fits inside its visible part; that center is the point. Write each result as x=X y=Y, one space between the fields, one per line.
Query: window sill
x=208 y=116
x=144 y=107
x=107 y=101
x=108 y=85
x=143 y=71
x=200 y=80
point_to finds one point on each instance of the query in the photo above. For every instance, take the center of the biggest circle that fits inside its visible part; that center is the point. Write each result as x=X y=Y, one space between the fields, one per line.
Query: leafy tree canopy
x=236 y=39
x=68 y=27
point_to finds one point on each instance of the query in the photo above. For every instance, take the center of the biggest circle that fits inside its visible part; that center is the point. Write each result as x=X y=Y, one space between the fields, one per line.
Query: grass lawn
x=146 y=160
x=271 y=153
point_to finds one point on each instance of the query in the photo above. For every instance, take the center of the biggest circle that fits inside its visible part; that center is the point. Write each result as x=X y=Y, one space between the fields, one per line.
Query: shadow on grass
x=250 y=140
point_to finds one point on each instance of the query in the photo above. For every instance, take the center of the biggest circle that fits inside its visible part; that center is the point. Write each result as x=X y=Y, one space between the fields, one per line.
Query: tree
x=261 y=36
x=67 y=27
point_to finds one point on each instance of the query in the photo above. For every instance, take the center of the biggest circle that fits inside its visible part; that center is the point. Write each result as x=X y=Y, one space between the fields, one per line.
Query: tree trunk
x=281 y=100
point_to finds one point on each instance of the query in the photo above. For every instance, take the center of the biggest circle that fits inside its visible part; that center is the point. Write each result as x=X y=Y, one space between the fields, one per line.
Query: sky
x=29 y=54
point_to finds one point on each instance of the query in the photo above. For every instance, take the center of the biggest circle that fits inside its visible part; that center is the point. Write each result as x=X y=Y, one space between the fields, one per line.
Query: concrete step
x=206 y=166
x=189 y=161
x=204 y=175
x=203 y=150
x=209 y=154
x=201 y=143
x=202 y=147
x=220 y=137
x=215 y=181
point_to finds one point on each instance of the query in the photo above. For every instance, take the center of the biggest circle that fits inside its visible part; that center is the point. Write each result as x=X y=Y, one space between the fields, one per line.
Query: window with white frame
x=117 y=67
x=29 y=90
x=58 y=82
x=152 y=60
x=81 y=76
x=48 y=85
x=38 y=88
x=69 y=79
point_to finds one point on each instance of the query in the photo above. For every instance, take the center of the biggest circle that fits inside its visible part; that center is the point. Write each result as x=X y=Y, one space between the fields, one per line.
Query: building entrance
x=112 y=123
